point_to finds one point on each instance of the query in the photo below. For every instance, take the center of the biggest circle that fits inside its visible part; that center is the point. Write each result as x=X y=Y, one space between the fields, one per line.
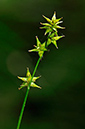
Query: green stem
x=26 y=95
x=22 y=110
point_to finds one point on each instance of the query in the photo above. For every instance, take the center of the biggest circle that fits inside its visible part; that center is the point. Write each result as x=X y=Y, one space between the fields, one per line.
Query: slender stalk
x=26 y=95
x=22 y=110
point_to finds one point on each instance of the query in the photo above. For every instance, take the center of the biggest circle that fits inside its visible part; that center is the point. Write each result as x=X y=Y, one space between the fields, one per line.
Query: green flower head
x=26 y=80
x=52 y=24
x=40 y=48
x=52 y=38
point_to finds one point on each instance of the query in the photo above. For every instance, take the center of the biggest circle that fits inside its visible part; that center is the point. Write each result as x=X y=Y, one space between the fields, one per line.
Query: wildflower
x=52 y=24
x=27 y=80
x=40 y=48
x=53 y=39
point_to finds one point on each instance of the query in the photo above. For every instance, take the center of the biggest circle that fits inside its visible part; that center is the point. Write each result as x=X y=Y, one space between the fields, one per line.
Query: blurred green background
x=61 y=102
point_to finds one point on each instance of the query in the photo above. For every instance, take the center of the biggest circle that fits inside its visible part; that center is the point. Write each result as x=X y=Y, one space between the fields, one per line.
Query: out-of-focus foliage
x=60 y=104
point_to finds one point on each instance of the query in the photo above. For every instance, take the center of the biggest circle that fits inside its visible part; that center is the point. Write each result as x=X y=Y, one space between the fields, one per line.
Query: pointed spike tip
x=55 y=12
x=63 y=27
x=40 y=27
x=27 y=68
x=43 y=15
x=63 y=35
x=39 y=76
x=36 y=37
x=17 y=76
x=19 y=88
x=41 y=23
x=34 y=45
x=29 y=50
x=57 y=47
x=40 y=87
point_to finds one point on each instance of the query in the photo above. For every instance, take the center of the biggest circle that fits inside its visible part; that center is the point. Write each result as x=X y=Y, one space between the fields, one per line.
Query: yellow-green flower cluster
x=27 y=80
x=51 y=29
x=40 y=48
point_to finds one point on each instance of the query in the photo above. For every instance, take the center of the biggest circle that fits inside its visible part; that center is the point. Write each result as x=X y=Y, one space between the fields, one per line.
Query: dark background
x=61 y=102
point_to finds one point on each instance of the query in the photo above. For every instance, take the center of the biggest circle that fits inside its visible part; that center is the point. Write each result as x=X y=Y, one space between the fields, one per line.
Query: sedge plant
x=51 y=30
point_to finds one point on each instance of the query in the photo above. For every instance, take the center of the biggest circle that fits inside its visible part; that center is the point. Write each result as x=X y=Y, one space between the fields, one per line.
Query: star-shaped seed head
x=53 y=38
x=52 y=24
x=40 y=48
x=28 y=80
